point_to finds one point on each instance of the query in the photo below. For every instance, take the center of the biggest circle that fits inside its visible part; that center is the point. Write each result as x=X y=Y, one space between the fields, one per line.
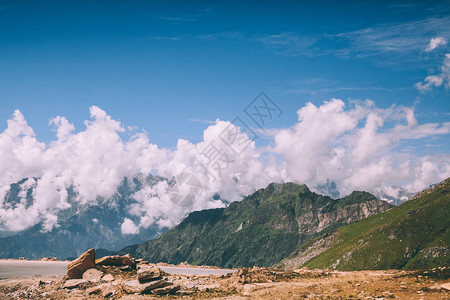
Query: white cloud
x=442 y=77
x=435 y=42
x=128 y=227
x=328 y=143
x=356 y=146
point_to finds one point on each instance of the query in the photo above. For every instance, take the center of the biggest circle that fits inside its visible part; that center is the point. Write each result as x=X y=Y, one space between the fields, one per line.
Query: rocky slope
x=260 y=230
x=80 y=227
x=414 y=235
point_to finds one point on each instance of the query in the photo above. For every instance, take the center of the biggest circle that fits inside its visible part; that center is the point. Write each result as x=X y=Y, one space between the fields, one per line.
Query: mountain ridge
x=413 y=235
x=258 y=230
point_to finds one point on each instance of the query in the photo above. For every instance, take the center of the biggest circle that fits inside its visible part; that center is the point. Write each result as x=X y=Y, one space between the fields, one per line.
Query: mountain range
x=283 y=225
x=260 y=230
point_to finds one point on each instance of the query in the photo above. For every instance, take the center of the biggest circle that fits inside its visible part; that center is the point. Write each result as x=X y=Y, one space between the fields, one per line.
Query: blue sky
x=164 y=66
x=364 y=89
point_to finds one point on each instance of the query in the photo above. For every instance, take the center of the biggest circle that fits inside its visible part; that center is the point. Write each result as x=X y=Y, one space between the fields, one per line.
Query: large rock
x=93 y=275
x=134 y=286
x=145 y=275
x=116 y=260
x=77 y=267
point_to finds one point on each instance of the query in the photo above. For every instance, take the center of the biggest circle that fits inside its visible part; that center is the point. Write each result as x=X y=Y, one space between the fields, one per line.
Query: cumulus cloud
x=435 y=42
x=442 y=77
x=355 y=149
x=128 y=227
x=357 y=146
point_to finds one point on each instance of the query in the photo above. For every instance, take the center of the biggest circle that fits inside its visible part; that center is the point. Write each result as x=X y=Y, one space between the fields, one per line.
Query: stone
x=116 y=260
x=108 y=292
x=113 y=260
x=148 y=274
x=127 y=260
x=166 y=290
x=93 y=275
x=107 y=278
x=84 y=262
x=74 y=283
x=134 y=286
x=125 y=268
x=149 y=286
x=94 y=290
x=446 y=286
x=76 y=293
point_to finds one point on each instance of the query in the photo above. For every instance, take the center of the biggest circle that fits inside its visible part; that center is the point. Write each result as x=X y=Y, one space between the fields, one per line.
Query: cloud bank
x=358 y=146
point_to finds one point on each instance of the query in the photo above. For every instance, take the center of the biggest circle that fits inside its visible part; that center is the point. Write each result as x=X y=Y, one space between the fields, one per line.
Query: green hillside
x=260 y=230
x=414 y=235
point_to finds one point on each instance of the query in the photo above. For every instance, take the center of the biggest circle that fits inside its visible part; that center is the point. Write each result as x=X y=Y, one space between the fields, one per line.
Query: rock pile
x=150 y=280
x=96 y=277
x=116 y=260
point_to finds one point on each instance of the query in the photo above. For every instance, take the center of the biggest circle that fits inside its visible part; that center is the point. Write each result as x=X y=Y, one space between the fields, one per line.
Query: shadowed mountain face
x=414 y=235
x=80 y=227
x=260 y=230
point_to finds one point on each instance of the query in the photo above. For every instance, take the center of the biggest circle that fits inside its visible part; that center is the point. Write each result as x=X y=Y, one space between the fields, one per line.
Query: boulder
x=84 y=262
x=134 y=286
x=93 y=275
x=116 y=260
x=149 y=286
x=145 y=275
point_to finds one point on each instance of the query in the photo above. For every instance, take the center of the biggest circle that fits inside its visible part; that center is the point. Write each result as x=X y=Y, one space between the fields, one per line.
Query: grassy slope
x=414 y=235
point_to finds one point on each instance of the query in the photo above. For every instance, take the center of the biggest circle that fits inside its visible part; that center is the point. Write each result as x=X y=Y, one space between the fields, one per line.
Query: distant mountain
x=397 y=195
x=260 y=230
x=80 y=227
x=415 y=235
